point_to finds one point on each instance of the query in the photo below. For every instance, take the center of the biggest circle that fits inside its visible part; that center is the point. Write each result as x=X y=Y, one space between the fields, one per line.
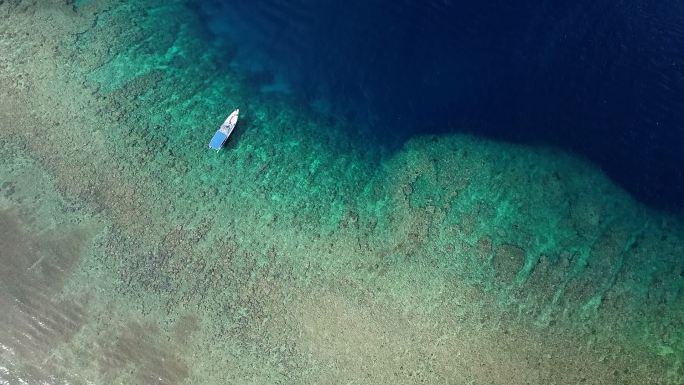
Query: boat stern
x=218 y=140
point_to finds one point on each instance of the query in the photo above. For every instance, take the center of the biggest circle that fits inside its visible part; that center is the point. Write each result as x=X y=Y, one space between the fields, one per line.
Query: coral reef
x=299 y=254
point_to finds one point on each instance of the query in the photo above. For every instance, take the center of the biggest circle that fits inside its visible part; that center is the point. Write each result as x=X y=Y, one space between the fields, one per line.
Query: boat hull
x=220 y=137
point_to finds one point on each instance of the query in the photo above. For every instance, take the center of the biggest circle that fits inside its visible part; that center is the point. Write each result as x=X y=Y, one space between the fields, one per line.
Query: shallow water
x=318 y=247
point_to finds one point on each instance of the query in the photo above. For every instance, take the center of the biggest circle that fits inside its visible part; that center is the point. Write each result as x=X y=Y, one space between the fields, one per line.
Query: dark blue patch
x=604 y=79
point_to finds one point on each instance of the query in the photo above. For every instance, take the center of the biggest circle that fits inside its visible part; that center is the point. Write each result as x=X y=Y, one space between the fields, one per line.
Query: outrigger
x=224 y=131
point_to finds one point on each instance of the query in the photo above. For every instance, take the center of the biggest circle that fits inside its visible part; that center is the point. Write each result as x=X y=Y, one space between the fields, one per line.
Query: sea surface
x=434 y=192
x=601 y=79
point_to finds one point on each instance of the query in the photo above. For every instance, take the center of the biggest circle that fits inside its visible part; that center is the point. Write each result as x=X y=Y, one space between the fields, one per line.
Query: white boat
x=224 y=131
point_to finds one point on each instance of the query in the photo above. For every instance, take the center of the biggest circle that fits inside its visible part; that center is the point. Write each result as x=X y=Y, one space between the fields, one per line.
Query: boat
x=224 y=131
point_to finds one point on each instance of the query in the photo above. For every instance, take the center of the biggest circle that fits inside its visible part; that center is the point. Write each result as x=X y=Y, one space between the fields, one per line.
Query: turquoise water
x=303 y=252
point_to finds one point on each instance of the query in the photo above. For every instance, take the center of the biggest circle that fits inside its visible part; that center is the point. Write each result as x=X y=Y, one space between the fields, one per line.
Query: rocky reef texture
x=130 y=253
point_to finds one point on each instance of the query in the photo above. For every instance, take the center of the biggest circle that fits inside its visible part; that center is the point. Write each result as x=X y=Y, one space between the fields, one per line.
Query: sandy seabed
x=130 y=254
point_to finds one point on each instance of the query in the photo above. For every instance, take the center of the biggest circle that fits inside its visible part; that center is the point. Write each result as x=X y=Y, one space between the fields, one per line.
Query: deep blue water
x=604 y=79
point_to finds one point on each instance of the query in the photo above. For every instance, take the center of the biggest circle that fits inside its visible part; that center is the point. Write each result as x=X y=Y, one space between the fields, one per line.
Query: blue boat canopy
x=218 y=140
